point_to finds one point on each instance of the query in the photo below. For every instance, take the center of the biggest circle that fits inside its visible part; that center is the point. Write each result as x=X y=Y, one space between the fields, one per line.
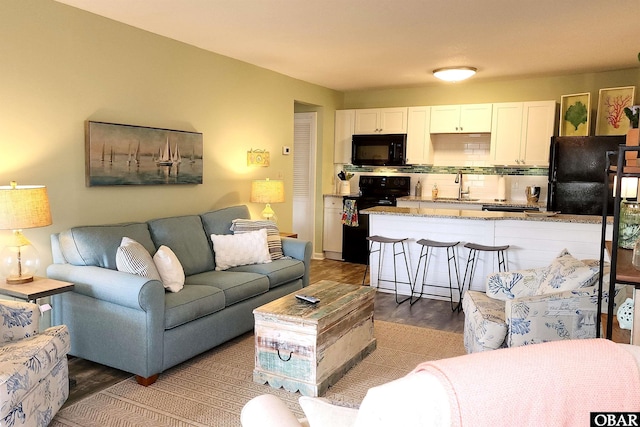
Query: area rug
x=211 y=389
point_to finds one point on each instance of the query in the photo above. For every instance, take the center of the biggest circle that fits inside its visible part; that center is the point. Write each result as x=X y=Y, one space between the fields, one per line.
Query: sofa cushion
x=169 y=268
x=279 y=272
x=97 y=245
x=192 y=302
x=132 y=257
x=232 y=250
x=186 y=238
x=566 y=273
x=274 y=241
x=219 y=221
x=237 y=286
x=485 y=327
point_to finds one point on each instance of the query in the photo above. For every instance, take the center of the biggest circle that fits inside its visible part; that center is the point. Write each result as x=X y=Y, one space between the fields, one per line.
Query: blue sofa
x=131 y=323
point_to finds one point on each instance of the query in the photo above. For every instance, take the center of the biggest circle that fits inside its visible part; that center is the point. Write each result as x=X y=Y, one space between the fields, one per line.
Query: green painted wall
x=62 y=66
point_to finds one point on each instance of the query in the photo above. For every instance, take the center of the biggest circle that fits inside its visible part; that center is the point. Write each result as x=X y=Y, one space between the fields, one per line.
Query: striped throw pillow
x=132 y=257
x=239 y=226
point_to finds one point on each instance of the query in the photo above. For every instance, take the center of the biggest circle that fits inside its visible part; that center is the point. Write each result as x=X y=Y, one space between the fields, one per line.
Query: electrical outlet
x=286 y=150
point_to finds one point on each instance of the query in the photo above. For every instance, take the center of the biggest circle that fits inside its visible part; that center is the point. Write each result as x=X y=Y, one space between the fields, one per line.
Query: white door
x=304 y=172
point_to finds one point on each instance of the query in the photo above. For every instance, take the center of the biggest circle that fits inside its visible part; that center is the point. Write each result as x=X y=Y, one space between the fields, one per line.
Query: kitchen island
x=534 y=240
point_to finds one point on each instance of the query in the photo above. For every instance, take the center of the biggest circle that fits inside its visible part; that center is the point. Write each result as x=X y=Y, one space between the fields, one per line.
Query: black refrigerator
x=576 y=173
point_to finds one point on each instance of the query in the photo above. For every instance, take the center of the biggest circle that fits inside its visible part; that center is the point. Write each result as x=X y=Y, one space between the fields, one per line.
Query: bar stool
x=474 y=248
x=429 y=246
x=382 y=241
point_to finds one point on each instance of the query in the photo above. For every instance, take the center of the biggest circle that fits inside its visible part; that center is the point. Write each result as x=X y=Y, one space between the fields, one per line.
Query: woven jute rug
x=211 y=389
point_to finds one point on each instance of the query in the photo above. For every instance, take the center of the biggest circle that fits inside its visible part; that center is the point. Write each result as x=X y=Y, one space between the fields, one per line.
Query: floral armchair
x=535 y=305
x=34 y=376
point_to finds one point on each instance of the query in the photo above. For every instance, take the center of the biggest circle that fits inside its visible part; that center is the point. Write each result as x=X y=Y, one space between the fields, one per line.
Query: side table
x=40 y=287
x=288 y=234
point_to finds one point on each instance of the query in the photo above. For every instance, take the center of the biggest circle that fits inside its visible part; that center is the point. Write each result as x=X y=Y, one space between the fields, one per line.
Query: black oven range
x=375 y=190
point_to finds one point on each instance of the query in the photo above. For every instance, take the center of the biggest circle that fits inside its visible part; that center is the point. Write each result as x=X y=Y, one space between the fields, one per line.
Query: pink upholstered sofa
x=554 y=383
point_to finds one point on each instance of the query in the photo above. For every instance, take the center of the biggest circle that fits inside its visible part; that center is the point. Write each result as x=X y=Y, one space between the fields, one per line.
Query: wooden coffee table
x=305 y=347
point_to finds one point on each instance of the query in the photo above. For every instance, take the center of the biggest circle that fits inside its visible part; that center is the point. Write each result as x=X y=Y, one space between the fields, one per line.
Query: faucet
x=461 y=192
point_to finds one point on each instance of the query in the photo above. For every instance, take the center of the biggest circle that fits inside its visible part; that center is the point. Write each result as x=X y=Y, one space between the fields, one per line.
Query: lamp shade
x=24 y=206
x=267 y=191
x=629 y=188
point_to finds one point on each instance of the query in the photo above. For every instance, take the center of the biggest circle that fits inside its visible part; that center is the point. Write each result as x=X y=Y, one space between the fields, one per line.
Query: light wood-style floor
x=92 y=377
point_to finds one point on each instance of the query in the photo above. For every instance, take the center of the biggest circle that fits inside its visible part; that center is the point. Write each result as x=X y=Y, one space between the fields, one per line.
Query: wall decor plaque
x=117 y=154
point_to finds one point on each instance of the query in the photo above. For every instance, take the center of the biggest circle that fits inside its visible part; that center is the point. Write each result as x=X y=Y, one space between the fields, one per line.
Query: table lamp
x=24 y=206
x=267 y=191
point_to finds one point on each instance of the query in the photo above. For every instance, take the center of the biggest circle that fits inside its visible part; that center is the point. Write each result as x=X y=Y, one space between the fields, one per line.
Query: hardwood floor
x=92 y=377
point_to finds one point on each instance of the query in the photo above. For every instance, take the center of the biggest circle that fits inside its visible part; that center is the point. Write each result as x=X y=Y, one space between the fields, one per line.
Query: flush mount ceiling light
x=454 y=74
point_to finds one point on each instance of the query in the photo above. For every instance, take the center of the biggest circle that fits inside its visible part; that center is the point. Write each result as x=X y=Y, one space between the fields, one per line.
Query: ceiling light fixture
x=454 y=74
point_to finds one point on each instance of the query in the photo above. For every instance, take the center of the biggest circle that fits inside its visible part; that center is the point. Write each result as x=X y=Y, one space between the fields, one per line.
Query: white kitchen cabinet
x=468 y=118
x=332 y=228
x=419 y=144
x=344 y=126
x=380 y=121
x=521 y=133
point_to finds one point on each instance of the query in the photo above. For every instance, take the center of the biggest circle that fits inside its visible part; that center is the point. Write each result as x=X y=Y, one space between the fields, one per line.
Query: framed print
x=611 y=119
x=575 y=114
x=117 y=154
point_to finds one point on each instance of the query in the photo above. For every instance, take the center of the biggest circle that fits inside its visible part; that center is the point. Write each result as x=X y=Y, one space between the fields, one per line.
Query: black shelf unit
x=619 y=274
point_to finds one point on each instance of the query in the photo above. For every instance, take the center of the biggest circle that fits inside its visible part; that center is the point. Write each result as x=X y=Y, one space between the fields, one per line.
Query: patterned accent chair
x=535 y=305
x=34 y=375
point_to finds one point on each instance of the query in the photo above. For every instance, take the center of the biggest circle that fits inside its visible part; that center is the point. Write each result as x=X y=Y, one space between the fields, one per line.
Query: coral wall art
x=575 y=114
x=611 y=119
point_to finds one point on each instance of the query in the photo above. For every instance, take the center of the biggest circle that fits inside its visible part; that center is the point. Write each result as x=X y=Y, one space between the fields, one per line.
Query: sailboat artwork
x=164 y=156
x=118 y=154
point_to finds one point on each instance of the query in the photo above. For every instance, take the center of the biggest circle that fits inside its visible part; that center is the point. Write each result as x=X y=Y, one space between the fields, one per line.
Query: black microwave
x=379 y=150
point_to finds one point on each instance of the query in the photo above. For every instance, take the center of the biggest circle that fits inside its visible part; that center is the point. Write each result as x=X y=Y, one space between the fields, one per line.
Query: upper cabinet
x=419 y=145
x=470 y=118
x=521 y=133
x=380 y=120
x=344 y=125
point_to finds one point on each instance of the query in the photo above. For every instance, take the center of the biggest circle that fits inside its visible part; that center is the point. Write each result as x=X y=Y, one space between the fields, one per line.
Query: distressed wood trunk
x=307 y=347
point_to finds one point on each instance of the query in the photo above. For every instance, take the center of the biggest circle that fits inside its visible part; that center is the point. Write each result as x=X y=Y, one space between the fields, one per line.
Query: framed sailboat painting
x=117 y=154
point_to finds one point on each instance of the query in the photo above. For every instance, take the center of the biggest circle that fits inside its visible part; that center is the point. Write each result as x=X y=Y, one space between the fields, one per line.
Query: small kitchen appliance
x=532 y=193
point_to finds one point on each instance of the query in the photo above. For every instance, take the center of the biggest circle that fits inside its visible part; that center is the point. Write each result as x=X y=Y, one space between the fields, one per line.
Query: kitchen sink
x=455 y=199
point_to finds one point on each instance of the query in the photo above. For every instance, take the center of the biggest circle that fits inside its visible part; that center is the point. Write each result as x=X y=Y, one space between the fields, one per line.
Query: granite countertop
x=493 y=202
x=485 y=215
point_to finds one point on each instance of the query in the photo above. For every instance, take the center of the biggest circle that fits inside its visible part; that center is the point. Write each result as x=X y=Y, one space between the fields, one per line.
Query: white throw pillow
x=566 y=273
x=239 y=226
x=170 y=269
x=132 y=257
x=320 y=412
x=232 y=250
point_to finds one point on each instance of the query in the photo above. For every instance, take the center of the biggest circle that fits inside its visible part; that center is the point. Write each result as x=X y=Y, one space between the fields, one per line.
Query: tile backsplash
x=468 y=153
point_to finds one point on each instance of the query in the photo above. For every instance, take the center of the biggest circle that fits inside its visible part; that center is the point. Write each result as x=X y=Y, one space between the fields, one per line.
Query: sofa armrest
x=300 y=250
x=563 y=315
x=513 y=284
x=267 y=410
x=125 y=289
x=20 y=320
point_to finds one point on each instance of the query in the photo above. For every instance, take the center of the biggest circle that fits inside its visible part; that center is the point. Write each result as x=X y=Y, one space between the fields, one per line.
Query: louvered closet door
x=304 y=172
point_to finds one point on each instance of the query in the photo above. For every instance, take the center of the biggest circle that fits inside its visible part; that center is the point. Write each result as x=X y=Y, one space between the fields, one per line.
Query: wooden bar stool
x=382 y=241
x=427 y=247
x=472 y=259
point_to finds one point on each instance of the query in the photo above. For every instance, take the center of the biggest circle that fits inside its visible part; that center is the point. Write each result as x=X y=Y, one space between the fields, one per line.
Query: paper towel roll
x=502 y=188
